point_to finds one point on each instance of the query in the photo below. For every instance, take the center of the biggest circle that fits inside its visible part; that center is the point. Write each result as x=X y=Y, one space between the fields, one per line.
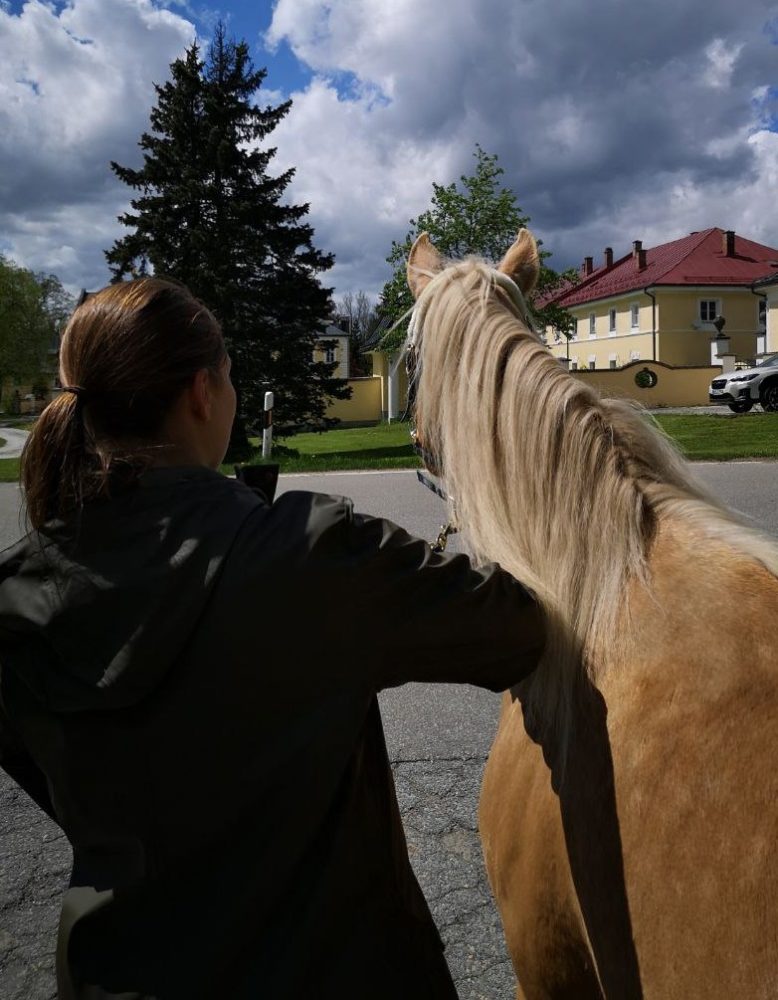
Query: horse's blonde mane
x=563 y=488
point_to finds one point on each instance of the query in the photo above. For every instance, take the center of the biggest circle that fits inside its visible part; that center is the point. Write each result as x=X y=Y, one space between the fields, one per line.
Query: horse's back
x=657 y=859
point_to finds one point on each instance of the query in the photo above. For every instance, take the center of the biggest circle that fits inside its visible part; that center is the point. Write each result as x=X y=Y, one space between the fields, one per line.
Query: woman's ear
x=200 y=393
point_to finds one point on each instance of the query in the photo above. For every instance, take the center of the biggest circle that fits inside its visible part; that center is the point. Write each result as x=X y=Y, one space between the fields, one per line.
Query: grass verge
x=720 y=438
x=387 y=446
x=703 y=437
x=9 y=470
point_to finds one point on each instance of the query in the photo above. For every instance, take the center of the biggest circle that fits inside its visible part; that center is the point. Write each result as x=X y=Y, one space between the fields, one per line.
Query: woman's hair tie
x=77 y=390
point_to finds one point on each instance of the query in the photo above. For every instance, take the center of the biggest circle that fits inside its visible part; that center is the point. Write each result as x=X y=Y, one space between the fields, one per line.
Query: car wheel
x=742 y=406
x=769 y=397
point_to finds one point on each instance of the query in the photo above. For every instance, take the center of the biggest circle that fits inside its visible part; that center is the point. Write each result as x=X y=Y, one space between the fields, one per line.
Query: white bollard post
x=267 y=426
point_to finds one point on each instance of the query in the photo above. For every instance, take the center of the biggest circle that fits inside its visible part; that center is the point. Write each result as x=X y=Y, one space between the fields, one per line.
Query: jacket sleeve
x=437 y=618
x=18 y=764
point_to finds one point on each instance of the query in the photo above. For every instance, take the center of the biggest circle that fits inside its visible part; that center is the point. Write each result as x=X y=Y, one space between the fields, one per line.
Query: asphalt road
x=14 y=442
x=438 y=740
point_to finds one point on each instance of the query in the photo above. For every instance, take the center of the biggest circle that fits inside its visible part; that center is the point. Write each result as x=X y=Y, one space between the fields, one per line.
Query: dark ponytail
x=126 y=355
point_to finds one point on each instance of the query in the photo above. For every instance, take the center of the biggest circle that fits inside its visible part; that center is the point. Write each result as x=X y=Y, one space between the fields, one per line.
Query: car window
x=769 y=362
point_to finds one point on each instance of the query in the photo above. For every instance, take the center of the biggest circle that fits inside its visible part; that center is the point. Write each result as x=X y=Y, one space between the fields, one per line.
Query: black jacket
x=188 y=683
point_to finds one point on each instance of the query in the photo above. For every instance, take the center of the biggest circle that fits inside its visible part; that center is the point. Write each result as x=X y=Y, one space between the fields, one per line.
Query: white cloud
x=721 y=63
x=362 y=193
x=76 y=87
x=613 y=120
x=678 y=205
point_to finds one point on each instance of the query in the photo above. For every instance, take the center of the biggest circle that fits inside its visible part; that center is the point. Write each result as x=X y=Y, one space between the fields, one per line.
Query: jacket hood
x=94 y=612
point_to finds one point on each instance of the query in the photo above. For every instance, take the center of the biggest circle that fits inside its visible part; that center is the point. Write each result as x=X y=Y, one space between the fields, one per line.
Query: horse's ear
x=522 y=262
x=424 y=262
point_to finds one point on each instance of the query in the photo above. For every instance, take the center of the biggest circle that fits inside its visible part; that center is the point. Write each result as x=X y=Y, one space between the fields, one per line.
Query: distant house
x=668 y=303
x=333 y=346
x=31 y=395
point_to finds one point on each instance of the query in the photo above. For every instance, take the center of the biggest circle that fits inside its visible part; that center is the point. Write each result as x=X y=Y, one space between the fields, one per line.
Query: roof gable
x=332 y=332
x=696 y=259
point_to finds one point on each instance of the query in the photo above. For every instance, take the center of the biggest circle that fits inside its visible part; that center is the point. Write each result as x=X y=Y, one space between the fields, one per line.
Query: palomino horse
x=629 y=812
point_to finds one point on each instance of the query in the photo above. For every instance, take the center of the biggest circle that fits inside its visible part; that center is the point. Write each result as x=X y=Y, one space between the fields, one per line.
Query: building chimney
x=639 y=254
x=588 y=266
x=728 y=243
x=608 y=257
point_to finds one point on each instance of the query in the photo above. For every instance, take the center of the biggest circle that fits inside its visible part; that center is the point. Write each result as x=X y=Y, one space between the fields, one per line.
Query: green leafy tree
x=210 y=214
x=26 y=330
x=478 y=216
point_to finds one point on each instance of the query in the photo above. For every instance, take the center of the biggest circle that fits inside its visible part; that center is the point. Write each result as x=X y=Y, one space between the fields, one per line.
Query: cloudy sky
x=614 y=120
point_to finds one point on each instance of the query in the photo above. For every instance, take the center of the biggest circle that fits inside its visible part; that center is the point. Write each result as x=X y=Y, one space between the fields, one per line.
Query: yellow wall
x=601 y=311
x=381 y=365
x=675 y=386
x=602 y=348
x=681 y=339
x=622 y=342
x=693 y=347
x=679 y=310
x=685 y=340
x=364 y=405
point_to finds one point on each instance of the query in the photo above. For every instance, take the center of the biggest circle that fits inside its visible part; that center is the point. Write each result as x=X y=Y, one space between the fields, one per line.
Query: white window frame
x=574 y=332
x=330 y=355
x=612 y=321
x=702 y=303
x=592 y=362
x=761 y=314
x=634 y=316
x=592 y=326
x=613 y=361
x=634 y=355
x=573 y=364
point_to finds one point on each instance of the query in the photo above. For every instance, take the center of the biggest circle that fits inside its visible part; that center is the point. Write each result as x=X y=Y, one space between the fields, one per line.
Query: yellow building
x=333 y=346
x=684 y=303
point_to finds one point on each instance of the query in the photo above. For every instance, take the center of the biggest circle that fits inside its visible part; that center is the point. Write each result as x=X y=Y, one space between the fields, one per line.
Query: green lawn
x=388 y=446
x=9 y=470
x=700 y=437
x=23 y=423
x=385 y=446
x=718 y=438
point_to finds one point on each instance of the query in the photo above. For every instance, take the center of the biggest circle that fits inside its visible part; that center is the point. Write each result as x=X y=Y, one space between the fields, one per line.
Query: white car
x=742 y=388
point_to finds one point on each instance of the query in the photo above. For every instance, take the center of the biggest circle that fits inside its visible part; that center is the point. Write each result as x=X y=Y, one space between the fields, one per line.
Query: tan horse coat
x=632 y=849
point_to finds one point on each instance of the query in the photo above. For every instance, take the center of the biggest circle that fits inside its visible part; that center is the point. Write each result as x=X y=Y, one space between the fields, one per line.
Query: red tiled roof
x=697 y=259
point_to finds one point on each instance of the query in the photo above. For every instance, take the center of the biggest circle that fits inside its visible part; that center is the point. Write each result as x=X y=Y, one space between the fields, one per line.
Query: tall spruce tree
x=209 y=214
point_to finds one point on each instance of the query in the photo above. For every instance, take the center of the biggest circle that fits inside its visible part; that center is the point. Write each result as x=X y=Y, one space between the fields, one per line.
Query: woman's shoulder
x=323 y=507
x=299 y=517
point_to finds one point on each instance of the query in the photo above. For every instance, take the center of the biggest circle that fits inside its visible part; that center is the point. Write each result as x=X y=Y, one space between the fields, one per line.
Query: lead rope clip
x=440 y=543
